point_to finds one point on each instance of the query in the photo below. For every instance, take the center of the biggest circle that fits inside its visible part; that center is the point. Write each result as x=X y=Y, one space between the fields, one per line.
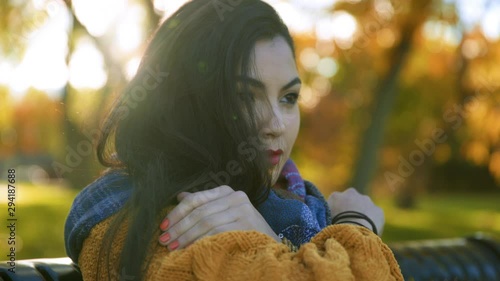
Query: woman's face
x=275 y=86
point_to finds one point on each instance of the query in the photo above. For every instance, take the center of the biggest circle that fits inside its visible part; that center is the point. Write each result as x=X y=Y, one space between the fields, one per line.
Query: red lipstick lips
x=274 y=156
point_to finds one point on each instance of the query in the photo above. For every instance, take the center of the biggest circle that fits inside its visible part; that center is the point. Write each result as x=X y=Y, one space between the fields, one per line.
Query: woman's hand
x=352 y=200
x=210 y=212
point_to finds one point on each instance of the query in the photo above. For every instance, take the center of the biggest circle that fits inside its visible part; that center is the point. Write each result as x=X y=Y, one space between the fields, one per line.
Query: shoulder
x=93 y=257
x=111 y=182
x=222 y=247
x=90 y=251
x=95 y=203
x=251 y=255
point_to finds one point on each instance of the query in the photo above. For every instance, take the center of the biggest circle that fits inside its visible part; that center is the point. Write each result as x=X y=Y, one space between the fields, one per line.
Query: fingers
x=182 y=195
x=191 y=201
x=207 y=226
x=348 y=195
x=204 y=218
x=351 y=190
x=197 y=216
x=352 y=200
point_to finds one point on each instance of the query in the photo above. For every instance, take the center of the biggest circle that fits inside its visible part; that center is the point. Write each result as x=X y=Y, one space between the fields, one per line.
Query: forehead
x=274 y=61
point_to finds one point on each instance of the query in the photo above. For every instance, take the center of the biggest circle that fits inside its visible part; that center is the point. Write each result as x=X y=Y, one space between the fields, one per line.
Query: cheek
x=292 y=122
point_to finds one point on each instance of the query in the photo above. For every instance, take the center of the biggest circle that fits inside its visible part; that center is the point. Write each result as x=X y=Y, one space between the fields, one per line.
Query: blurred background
x=401 y=99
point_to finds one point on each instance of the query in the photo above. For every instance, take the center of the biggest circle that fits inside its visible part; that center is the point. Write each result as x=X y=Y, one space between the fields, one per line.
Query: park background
x=400 y=99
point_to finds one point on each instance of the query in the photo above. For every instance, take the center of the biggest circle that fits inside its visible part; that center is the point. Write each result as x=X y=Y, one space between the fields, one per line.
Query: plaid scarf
x=295 y=208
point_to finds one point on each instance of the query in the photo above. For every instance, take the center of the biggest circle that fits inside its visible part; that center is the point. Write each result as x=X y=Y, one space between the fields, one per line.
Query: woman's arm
x=338 y=252
x=210 y=212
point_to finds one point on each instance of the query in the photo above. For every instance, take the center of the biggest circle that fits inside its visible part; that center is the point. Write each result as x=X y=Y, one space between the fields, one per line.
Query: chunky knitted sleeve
x=339 y=252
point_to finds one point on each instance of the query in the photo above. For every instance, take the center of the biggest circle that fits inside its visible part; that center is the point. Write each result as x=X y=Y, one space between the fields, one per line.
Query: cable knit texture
x=295 y=208
x=339 y=252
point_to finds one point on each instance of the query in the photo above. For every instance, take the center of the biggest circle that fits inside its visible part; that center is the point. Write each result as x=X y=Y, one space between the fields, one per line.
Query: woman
x=201 y=185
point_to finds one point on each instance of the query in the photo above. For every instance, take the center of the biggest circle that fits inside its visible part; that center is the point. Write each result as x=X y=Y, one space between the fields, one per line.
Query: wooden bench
x=474 y=258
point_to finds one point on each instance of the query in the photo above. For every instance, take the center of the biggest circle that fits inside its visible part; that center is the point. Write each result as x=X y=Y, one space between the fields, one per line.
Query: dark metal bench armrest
x=471 y=258
x=57 y=269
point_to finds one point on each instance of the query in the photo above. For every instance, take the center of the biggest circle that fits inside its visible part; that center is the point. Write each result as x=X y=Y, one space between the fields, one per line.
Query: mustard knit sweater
x=339 y=252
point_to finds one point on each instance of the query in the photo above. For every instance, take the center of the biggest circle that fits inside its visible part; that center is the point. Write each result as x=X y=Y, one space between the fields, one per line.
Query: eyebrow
x=259 y=84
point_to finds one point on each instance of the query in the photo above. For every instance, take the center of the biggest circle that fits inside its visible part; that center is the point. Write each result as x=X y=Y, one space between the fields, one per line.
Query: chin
x=276 y=171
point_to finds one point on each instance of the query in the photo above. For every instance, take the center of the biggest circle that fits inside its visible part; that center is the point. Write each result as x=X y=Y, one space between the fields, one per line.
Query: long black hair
x=183 y=118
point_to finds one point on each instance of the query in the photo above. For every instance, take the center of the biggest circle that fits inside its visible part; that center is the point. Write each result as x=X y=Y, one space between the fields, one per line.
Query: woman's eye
x=291 y=98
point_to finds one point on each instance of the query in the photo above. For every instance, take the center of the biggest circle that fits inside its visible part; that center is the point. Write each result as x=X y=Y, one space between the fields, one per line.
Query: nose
x=272 y=124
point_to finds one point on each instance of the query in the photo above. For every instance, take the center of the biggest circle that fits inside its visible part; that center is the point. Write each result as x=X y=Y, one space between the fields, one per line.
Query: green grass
x=442 y=216
x=41 y=212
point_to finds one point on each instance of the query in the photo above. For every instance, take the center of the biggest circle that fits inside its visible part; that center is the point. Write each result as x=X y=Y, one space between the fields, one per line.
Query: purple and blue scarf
x=296 y=211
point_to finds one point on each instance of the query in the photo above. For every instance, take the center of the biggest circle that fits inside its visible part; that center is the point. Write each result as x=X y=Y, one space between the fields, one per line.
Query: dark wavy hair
x=185 y=116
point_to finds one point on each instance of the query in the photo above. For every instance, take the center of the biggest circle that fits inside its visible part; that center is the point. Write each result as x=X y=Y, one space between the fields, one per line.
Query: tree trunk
x=386 y=94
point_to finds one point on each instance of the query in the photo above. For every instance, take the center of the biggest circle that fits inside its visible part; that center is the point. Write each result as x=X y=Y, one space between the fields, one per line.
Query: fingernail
x=164 y=237
x=164 y=224
x=174 y=245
